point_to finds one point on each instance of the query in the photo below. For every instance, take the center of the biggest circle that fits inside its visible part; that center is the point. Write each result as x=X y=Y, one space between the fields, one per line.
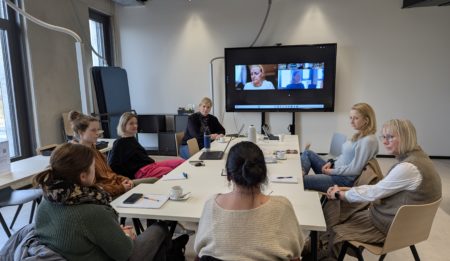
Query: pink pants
x=158 y=169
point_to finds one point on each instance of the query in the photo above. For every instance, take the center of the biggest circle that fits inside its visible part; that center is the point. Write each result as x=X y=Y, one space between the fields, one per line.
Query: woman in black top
x=198 y=123
x=130 y=159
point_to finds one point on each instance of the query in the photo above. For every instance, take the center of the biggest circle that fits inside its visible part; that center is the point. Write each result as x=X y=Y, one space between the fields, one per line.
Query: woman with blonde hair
x=86 y=131
x=412 y=181
x=258 y=77
x=130 y=159
x=199 y=123
x=356 y=152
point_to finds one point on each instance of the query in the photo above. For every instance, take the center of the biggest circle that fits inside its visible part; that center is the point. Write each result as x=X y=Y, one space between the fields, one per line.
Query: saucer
x=181 y=199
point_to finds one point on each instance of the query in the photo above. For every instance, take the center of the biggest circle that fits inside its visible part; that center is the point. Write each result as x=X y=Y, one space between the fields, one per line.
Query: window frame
x=105 y=20
x=18 y=89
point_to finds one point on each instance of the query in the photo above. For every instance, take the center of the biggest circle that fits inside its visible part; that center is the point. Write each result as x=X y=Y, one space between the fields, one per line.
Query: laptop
x=236 y=135
x=268 y=134
x=217 y=155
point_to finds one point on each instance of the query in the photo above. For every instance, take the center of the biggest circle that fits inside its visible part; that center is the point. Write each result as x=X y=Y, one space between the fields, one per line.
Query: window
x=100 y=33
x=13 y=109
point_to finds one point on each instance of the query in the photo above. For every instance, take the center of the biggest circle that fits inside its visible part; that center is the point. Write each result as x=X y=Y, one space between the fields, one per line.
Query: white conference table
x=23 y=171
x=205 y=181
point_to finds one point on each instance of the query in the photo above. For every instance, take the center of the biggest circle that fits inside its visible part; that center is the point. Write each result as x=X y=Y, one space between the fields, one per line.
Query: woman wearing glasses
x=413 y=180
x=86 y=130
x=356 y=152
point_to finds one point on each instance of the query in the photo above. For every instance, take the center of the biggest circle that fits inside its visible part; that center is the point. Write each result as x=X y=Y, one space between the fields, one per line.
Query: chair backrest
x=193 y=146
x=46 y=150
x=337 y=141
x=67 y=128
x=411 y=225
x=178 y=138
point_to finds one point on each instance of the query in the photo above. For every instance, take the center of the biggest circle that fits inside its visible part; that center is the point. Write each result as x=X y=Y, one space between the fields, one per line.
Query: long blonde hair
x=370 y=127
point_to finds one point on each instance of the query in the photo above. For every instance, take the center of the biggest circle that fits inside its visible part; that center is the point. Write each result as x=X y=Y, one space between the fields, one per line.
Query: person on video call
x=198 y=123
x=296 y=82
x=258 y=79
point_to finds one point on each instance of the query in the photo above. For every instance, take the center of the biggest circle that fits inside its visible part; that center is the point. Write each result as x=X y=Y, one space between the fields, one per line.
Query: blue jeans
x=321 y=182
x=184 y=152
x=310 y=159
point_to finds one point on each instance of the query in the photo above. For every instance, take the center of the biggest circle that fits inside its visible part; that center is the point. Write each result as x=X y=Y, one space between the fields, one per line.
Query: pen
x=185 y=175
x=157 y=200
x=289 y=177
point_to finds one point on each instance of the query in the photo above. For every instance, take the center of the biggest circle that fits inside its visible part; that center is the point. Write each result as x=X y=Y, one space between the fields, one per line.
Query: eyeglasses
x=387 y=137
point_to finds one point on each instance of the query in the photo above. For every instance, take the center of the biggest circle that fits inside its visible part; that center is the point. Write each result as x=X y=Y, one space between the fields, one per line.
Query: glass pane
x=98 y=43
x=7 y=111
x=3 y=10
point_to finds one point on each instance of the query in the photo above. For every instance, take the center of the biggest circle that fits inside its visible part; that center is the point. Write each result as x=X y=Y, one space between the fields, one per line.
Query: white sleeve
x=404 y=176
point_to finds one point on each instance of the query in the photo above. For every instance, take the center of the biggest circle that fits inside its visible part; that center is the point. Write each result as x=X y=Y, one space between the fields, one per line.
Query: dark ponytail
x=246 y=166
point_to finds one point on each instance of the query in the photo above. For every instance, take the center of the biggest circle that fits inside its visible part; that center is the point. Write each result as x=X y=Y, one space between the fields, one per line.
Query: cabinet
x=156 y=132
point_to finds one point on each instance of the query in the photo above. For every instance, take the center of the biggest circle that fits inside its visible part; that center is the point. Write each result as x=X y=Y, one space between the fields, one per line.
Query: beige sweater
x=269 y=232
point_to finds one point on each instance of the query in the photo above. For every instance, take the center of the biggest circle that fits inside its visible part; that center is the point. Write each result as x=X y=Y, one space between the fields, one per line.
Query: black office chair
x=11 y=197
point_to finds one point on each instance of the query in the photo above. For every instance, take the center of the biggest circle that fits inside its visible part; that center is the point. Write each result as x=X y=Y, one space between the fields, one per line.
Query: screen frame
x=287 y=54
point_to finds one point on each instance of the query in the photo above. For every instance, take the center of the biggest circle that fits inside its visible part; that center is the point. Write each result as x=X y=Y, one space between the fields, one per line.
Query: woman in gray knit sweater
x=245 y=224
x=76 y=220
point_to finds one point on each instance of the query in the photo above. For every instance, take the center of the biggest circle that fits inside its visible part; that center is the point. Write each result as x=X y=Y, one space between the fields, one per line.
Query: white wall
x=52 y=61
x=395 y=59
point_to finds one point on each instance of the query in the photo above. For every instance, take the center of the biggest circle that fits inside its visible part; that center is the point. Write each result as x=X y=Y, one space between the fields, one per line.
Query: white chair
x=337 y=141
x=411 y=225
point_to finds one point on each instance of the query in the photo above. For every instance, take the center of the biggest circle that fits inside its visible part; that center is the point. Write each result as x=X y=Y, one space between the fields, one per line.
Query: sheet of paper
x=147 y=201
x=174 y=175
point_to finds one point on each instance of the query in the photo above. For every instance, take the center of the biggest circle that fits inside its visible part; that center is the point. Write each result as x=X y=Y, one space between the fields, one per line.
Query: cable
x=86 y=35
x=264 y=22
x=44 y=24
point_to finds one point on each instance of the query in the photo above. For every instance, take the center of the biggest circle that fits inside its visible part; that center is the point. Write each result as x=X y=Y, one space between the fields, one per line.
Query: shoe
x=176 y=253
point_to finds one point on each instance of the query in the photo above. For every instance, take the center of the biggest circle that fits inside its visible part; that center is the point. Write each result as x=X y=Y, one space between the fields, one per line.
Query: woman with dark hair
x=86 y=131
x=76 y=221
x=246 y=224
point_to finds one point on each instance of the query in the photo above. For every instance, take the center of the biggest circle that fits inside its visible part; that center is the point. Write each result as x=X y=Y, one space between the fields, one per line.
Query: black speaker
x=167 y=144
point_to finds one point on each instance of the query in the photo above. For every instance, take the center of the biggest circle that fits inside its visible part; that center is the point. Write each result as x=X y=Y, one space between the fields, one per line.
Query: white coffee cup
x=280 y=137
x=281 y=154
x=175 y=192
x=222 y=139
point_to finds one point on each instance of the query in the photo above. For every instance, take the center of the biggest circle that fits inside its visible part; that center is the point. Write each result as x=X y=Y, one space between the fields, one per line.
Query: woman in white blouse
x=413 y=180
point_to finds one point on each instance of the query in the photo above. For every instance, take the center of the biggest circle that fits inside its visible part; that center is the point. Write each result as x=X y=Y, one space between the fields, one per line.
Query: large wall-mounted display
x=280 y=78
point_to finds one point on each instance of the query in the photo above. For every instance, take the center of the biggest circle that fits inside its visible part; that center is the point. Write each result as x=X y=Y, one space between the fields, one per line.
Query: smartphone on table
x=133 y=198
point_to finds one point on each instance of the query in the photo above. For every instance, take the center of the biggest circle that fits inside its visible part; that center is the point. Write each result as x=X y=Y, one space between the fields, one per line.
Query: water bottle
x=206 y=140
x=252 y=134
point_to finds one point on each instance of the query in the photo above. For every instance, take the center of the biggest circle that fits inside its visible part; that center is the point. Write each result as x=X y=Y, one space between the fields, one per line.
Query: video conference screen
x=282 y=78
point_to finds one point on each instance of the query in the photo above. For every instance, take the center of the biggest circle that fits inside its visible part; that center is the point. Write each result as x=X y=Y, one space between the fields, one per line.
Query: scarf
x=67 y=193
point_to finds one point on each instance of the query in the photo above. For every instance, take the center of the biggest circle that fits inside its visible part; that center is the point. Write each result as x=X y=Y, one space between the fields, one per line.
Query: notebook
x=217 y=155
